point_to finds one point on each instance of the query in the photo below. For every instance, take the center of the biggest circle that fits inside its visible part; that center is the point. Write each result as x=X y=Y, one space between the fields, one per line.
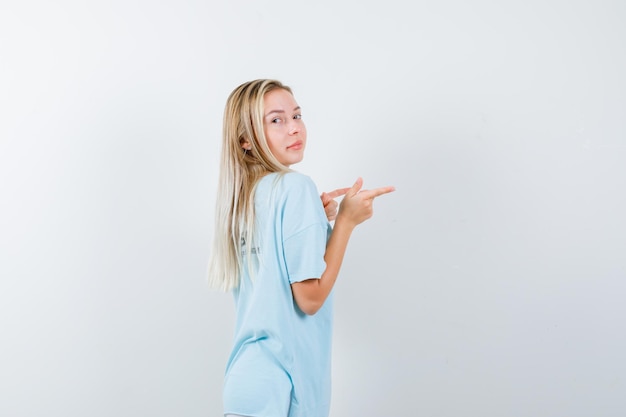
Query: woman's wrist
x=344 y=223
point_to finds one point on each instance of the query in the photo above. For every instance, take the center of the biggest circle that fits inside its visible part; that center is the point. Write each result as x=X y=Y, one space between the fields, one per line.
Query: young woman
x=275 y=249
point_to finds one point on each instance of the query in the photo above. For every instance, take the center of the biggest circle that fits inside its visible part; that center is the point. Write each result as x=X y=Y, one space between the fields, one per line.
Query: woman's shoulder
x=287 y=179
x=297 y=179
x=289 y=183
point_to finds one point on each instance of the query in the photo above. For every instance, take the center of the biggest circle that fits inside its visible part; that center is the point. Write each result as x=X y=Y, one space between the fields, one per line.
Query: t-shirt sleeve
x=305 y=229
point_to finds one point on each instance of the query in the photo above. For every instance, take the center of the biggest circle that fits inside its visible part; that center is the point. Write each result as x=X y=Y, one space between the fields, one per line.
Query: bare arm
x=355 y=208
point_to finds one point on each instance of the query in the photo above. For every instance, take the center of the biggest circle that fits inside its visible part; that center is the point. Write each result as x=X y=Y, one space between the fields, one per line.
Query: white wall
x=491 y=283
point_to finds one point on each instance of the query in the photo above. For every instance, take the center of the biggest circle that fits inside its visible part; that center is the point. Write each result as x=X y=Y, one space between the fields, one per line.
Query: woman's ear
x=245 y=144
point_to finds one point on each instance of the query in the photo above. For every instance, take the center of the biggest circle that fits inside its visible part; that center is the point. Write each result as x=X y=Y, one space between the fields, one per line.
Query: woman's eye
x=297 y=116
x=276 y=120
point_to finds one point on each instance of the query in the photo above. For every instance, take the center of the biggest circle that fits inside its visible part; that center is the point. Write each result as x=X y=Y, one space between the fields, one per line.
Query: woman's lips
x=296 y=146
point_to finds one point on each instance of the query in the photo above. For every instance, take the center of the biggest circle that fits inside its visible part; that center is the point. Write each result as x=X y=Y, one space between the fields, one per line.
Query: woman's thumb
x=356 y=187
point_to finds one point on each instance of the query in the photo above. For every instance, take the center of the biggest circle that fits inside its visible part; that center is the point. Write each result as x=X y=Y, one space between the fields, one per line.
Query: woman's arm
x=355 y=208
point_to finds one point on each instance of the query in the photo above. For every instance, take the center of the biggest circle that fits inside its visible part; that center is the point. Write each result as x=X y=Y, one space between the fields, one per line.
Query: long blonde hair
x=240 y=169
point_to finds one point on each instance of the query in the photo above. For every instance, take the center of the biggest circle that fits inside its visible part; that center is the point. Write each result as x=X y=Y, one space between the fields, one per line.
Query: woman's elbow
x=308 y=296
x=309 y=307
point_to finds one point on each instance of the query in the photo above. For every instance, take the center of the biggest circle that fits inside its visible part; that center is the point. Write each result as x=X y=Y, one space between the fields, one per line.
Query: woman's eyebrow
x=281 y=111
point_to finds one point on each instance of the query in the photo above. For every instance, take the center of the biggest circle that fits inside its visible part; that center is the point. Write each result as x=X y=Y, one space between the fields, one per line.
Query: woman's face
x=283 y=126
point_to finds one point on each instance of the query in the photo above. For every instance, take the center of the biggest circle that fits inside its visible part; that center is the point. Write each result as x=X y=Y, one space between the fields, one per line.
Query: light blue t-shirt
x=281 y=360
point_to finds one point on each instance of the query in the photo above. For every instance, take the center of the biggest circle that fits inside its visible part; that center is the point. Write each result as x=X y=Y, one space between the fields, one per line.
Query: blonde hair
x=240 y=170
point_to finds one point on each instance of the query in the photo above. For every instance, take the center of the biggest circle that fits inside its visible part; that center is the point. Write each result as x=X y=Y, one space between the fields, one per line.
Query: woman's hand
x=330 y=205
x=356 y=206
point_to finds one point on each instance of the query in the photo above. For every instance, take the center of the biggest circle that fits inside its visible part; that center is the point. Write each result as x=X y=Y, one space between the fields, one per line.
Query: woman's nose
x=294 y=127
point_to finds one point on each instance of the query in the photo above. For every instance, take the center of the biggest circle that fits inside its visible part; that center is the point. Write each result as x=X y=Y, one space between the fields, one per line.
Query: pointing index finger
x=376 y=192
x=338 y=192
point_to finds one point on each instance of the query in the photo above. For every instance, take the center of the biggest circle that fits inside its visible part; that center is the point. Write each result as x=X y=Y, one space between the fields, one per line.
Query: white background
x=491 y=283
